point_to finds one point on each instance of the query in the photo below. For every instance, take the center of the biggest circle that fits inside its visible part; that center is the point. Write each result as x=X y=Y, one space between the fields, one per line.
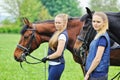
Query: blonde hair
x=105 y=20
x=53 y=42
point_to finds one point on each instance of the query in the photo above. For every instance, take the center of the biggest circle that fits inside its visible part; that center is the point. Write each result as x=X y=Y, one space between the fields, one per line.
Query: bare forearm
x=59 y=51
x=93 y=66
x=97 y=59
x=54 y=55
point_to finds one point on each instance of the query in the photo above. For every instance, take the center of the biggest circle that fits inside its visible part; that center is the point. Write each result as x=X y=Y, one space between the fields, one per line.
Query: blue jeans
x=99 y=78
x=55 y=71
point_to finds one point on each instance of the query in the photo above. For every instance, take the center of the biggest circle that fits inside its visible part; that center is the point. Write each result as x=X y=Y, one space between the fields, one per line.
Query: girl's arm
x=96 y=60
x=60 y=48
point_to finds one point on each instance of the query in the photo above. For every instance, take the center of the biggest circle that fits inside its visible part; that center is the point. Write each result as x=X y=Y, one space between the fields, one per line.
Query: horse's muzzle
x=18 y=59
x=21 y=58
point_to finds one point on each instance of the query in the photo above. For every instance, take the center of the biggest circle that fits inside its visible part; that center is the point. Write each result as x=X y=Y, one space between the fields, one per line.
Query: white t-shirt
x=62 y=36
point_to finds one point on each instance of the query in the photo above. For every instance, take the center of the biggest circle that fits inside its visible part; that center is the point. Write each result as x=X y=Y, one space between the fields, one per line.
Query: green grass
x=11 y=70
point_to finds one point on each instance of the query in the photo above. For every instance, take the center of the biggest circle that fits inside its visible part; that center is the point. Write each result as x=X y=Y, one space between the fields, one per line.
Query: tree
x=104 y=5
x=62 y=6
x=24 y=8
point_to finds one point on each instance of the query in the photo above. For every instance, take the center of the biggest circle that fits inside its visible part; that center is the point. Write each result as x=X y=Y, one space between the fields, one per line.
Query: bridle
x=26 y=50
x=85 y=40
x=85 y=46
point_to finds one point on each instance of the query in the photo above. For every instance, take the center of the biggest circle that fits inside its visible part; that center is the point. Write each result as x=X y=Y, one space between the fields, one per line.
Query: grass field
x=11 y=70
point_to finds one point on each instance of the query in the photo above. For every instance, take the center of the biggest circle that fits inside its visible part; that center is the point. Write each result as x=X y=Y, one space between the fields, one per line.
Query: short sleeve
x=102 y=41
x=62 y=36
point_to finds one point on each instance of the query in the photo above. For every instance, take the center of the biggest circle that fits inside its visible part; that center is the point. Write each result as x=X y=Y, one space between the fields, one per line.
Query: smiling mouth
x=96 y=26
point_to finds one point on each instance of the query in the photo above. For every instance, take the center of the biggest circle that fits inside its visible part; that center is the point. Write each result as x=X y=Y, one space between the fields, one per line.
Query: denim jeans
x=99 y=78
x=55 y=71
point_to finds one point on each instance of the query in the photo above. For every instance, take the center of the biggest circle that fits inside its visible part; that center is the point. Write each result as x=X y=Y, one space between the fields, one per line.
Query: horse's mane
x=116 y=14
x=72 y=18
x=84 y=17
x=47 y=21
x=51 y=21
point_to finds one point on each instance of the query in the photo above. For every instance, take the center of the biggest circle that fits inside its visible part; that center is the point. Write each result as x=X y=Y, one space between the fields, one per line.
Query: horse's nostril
x=17 y=59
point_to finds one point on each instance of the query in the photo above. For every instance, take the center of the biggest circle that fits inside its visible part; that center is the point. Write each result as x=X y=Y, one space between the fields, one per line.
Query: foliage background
x=70 y=7
x=105 y=5
x=37 y=10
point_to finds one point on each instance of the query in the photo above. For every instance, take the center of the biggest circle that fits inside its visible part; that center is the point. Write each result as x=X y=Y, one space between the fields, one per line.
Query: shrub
x=10 y=29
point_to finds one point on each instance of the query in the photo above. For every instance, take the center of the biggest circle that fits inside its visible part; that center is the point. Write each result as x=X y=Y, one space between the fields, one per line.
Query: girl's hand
x=86 y=77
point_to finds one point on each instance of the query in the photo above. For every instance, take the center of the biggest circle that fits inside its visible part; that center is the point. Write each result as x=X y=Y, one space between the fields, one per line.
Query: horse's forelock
x=23 y=29
x=84 y=17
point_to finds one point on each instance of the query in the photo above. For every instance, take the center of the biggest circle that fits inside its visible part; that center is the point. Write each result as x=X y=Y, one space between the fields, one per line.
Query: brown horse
x=34 y=34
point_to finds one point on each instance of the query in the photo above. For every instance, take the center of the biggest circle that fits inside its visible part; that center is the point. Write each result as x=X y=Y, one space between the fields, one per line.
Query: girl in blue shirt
x=98 y=59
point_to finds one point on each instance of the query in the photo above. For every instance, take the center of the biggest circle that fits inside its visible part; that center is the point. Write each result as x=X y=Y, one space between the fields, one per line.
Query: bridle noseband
x=27 y=49
x=85 y=40
x=84 y=46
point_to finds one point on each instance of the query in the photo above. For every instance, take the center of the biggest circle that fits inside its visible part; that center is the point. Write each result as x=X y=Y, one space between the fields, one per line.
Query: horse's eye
x=85 y=27
x=26 y=37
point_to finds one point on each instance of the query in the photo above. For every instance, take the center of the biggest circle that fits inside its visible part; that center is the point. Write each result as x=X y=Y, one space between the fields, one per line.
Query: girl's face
x=97 y=22
x=59 y=24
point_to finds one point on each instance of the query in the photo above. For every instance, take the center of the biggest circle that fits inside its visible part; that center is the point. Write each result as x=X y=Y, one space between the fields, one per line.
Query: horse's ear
x=89 y=12
x=26 y=21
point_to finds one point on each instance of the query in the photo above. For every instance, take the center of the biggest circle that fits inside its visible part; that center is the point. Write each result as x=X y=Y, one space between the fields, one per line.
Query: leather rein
x=26 y=50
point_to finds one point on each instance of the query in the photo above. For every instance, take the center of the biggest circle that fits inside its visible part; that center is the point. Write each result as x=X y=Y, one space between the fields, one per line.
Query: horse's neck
x=45 y=28
x=45 y=31
x=114 y=26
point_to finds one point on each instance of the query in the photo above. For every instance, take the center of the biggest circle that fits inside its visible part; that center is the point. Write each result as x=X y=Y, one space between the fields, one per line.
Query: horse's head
x=86 y=33
x=28 y=42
